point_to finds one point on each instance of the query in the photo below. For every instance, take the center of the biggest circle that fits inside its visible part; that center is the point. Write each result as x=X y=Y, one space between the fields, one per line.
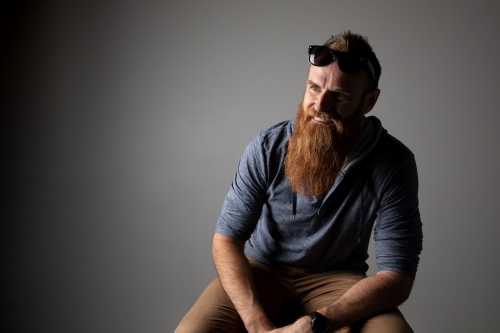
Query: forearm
x=383 y=291
x=235 y=275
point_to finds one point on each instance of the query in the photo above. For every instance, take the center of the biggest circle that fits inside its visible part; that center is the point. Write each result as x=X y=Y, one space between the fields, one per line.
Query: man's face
x=335 y=94
x=327 y=126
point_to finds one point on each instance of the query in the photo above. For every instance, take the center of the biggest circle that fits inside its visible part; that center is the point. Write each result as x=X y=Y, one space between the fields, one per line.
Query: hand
x=302 y=325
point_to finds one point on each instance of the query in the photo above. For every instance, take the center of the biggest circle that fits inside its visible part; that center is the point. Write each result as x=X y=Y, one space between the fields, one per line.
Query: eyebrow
x=309 y=82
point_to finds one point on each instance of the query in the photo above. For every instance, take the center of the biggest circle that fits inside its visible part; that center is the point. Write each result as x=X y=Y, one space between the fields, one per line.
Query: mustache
x=323 y=116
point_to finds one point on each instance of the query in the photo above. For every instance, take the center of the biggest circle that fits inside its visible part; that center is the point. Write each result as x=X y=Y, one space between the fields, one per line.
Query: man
x=291 y=242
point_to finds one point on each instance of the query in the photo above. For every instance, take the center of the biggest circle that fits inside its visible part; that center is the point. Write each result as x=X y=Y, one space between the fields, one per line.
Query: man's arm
x=374 y=294
x=380 y=292
x=234 y=273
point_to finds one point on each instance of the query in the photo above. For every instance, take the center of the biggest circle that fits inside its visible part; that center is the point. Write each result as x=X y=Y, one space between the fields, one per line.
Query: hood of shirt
x=372 y=129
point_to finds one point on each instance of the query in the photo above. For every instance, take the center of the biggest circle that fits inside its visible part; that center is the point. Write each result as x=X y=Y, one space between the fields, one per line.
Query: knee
x=183 y=327
x=391 y=321
x=186 y=326
x=208 y=326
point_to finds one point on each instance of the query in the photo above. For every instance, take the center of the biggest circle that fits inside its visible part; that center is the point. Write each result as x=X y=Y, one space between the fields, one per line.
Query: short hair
x=350 y=42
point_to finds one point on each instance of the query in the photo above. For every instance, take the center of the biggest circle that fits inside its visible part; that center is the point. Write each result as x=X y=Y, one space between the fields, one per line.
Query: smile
x=321 y=120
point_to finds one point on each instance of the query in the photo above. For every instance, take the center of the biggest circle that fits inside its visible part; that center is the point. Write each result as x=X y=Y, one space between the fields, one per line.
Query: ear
x=370 y=100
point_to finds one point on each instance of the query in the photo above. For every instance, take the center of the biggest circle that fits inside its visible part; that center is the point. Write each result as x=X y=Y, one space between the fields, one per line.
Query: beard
x=316 y=152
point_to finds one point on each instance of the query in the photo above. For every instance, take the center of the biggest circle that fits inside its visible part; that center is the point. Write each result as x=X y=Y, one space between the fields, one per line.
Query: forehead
x=330 y=77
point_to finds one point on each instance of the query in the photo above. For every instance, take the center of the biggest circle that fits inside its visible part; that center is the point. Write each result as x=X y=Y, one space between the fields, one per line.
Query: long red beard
x=316 y=152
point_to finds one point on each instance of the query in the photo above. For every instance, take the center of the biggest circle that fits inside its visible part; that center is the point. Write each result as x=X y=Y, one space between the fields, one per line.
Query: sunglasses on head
x=348 y=62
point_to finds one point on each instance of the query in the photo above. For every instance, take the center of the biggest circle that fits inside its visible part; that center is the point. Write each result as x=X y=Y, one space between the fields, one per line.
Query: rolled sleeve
x=243 y=204
x=398 y=231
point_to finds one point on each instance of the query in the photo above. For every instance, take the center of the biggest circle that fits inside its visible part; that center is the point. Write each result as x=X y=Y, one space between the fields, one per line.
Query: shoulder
x=279 y=132
x=393 y=163
x=392 y=151
x=273 y=137
x=266 y=151
x=395 y=172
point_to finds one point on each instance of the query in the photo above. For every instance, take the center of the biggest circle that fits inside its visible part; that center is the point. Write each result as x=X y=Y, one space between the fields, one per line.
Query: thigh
x=321 y=289
x=214 y=311
x=275 y=293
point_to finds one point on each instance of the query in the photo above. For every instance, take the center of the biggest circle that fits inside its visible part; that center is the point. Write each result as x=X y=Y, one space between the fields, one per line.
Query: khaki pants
x=286 y=293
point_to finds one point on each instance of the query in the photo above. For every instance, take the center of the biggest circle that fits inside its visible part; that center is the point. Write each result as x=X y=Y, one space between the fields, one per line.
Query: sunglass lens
x=320 y=56
x=349 y=63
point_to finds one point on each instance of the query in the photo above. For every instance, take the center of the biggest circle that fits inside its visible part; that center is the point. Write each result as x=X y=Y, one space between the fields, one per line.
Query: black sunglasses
x=348 y=62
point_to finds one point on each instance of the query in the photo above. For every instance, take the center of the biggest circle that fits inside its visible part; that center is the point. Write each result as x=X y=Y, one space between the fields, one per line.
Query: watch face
x=319 y=324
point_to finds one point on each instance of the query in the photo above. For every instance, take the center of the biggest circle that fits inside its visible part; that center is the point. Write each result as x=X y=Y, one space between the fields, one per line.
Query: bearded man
x=291 y=243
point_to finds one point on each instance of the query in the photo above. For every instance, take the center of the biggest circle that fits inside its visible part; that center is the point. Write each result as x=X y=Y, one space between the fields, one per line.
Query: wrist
x=259 y=324
x=305 y=324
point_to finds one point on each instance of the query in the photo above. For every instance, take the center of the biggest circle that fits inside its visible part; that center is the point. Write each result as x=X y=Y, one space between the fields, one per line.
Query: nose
x=324 y=103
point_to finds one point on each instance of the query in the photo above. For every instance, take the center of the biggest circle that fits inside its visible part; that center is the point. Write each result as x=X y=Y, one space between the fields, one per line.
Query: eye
x=339 y=96
x=314 y=87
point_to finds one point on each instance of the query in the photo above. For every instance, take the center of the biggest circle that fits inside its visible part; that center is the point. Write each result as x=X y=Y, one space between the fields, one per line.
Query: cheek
x=348 y=111
x=308 y=100
x=344 y=113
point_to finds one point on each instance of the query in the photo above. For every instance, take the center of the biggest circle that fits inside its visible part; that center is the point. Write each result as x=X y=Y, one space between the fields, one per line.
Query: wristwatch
x=319 y=324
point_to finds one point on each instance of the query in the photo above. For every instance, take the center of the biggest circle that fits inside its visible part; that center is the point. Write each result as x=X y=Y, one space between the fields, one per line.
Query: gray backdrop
x=123 y=123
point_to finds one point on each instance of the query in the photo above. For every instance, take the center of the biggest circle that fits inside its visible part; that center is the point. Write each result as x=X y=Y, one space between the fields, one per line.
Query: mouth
x=321 y=120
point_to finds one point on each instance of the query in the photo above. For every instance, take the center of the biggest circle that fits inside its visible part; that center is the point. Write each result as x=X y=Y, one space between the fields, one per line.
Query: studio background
x=122 y=123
